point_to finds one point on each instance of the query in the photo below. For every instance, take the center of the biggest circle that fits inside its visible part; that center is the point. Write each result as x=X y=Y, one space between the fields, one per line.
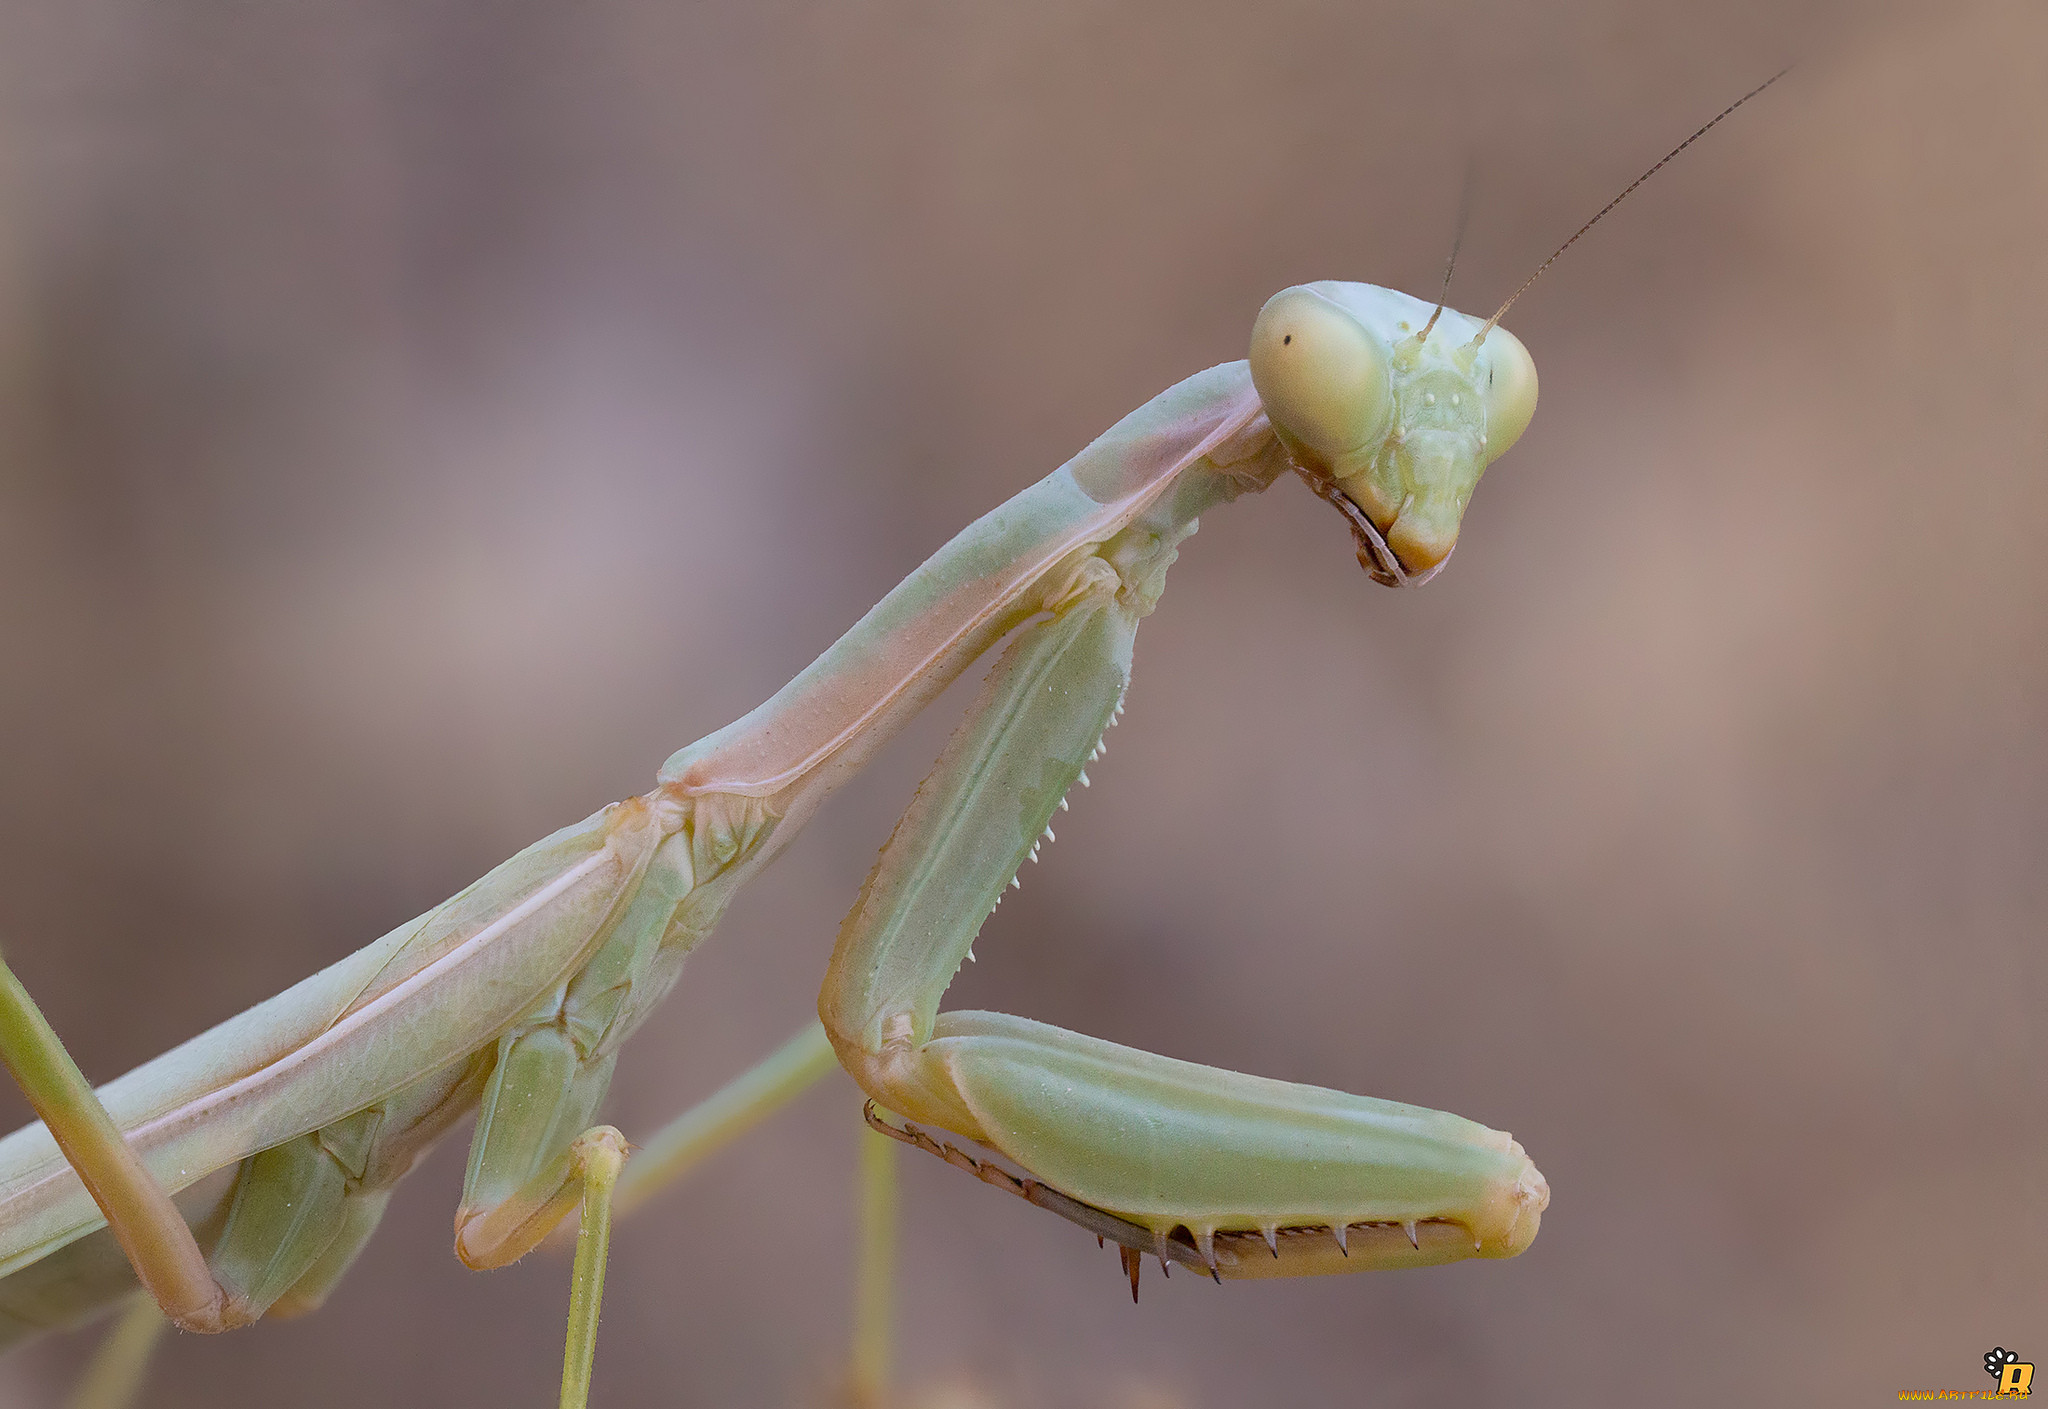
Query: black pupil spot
x=1287 y=340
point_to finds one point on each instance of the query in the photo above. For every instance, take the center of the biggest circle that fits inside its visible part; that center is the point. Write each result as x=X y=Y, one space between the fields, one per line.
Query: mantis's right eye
x=1321 y=374
x=1510 y=391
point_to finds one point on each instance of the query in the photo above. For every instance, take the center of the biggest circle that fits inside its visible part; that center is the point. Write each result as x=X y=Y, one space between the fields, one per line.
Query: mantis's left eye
x=1509 y=390
x=1321 y=374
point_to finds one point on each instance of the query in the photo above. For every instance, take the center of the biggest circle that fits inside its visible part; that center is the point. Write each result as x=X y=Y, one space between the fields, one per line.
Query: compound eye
x=1510 y=390
x=1321 y=374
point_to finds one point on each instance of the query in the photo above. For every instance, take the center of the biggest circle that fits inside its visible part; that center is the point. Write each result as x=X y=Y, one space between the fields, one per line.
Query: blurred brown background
x=417 y=419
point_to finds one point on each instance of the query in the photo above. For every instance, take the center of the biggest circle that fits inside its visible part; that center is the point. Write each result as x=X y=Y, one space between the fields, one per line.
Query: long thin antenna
x=1705 y=127
x=1457 y=239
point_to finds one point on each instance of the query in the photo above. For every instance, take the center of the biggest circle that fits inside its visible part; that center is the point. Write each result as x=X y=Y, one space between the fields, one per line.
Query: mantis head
x=1390 y=410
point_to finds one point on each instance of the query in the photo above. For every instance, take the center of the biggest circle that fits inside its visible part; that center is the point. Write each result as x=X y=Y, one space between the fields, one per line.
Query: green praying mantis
x=240 y=1174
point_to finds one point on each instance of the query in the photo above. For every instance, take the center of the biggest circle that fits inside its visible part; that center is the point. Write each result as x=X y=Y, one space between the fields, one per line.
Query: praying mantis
x=240 y=1174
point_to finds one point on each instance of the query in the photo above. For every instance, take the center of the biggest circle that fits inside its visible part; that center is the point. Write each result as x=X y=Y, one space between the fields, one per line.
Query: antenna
x=1457 y=239
x=1705 y=127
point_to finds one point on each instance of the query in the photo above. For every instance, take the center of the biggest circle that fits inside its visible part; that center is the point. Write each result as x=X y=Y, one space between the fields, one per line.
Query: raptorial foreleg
x=1206 y=1159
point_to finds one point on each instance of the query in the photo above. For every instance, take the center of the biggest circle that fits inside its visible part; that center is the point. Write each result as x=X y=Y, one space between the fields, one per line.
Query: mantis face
x=1403 y=425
